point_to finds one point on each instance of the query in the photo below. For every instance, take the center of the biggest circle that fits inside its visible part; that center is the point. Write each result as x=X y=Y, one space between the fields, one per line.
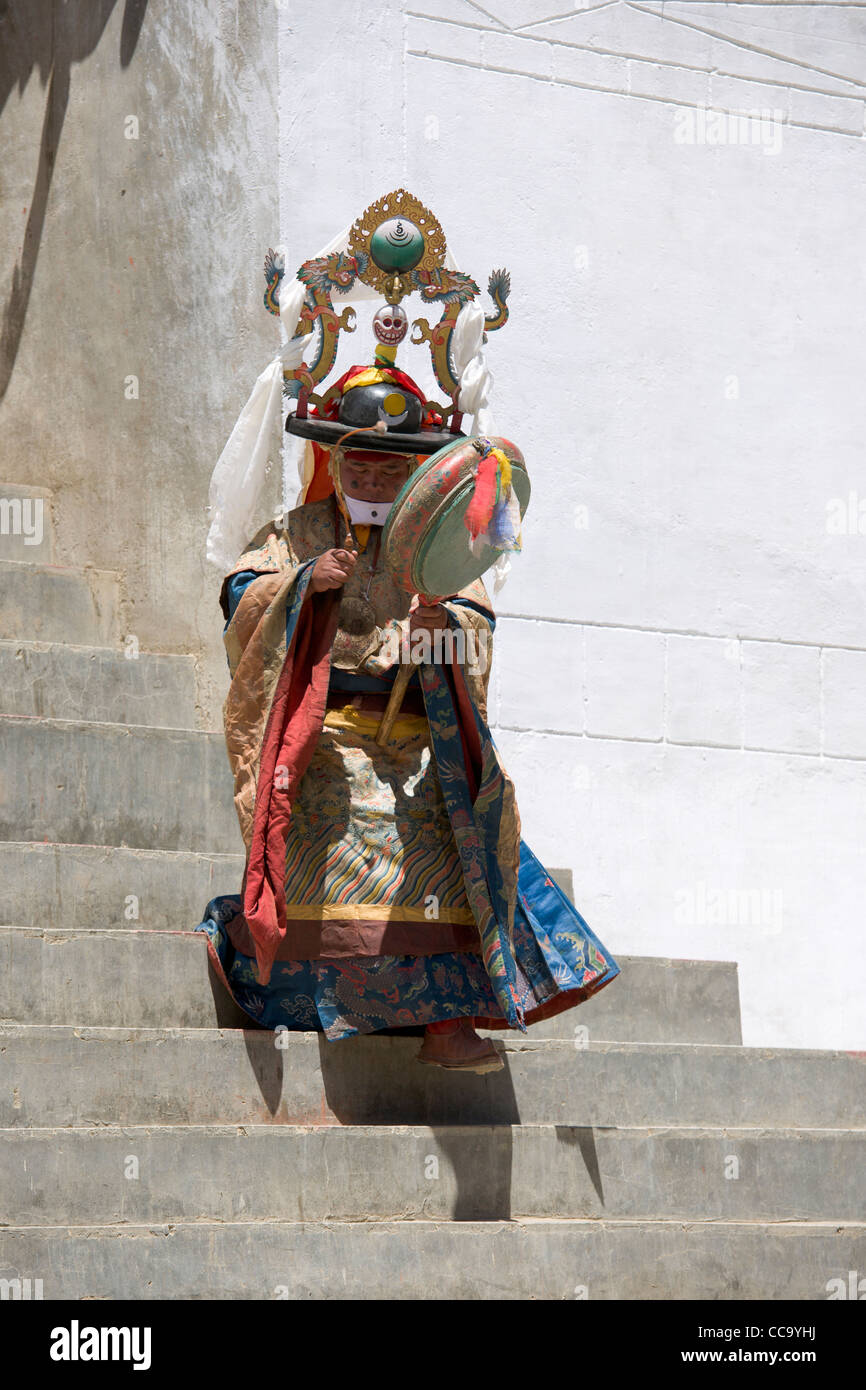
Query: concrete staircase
x=153 y=1148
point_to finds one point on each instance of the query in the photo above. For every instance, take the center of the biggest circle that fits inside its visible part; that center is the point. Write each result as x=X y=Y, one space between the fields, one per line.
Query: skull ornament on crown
x=390 y=324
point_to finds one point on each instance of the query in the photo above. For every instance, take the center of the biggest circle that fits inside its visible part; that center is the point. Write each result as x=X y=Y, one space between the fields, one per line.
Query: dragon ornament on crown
x=396 y=247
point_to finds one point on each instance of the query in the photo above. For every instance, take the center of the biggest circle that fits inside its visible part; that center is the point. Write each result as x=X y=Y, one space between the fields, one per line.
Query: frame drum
x=425 y=543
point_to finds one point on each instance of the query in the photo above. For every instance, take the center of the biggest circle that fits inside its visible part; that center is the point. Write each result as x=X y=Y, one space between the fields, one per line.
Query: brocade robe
x=385 y=887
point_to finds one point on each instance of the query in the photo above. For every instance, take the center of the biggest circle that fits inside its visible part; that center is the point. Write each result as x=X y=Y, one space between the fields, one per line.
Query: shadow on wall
x=49 y=35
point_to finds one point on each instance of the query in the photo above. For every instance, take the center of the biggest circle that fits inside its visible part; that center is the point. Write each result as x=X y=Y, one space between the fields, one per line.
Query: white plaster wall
x=681 y=657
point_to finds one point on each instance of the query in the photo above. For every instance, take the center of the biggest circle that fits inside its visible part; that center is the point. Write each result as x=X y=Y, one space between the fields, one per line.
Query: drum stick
x=337 y=473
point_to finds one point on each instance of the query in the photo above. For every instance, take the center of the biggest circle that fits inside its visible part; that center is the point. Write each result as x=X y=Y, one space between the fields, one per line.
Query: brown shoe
x=460 y=1049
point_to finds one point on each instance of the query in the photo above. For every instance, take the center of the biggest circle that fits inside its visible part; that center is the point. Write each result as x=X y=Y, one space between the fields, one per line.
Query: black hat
x=390 y=403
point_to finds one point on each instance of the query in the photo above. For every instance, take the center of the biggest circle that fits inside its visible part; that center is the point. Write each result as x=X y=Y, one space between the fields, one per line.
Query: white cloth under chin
x=367 y=513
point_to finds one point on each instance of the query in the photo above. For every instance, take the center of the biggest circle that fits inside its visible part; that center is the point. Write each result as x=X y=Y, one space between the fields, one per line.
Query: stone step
x=54 y=603
x=102 y=1176
x=430 y=1260
x=26 y=524
x=654 y=1000
x=106 y=977
x=55 y=681
x=80 y=886
x=151 y=979
x=131 y=1076
x=116 y=784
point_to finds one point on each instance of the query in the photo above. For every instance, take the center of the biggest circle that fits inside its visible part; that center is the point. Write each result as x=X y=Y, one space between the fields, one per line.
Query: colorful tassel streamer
x=493 y=515
x=480 y=509
x=500 y=532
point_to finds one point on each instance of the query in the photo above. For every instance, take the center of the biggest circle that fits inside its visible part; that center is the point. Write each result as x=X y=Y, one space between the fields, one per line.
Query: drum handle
x=398 y=690
x=401 y=680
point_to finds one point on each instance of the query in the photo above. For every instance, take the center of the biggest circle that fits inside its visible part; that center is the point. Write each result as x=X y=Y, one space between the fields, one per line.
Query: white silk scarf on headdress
x=237 y=480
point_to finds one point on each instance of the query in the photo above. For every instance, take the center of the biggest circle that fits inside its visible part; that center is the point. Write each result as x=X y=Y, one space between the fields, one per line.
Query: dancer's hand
x=332 y=569
x=428 y=618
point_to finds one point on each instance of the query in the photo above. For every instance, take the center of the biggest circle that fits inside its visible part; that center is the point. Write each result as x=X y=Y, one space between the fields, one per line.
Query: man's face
x=373 y=477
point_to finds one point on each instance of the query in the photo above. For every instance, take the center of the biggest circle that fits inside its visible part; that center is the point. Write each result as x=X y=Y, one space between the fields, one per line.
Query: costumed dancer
x=387 y=885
